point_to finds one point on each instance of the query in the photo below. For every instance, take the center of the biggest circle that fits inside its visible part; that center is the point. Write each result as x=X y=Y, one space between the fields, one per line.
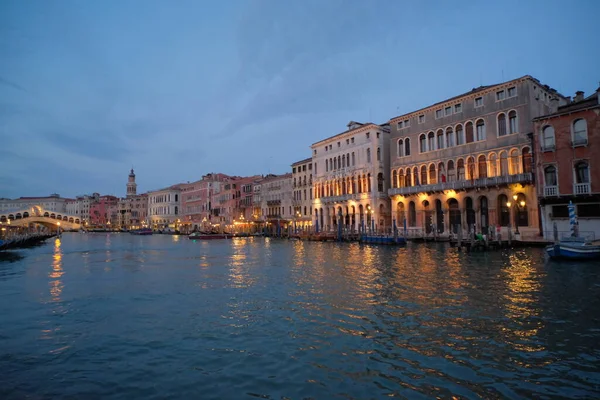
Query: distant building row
x=512 y=154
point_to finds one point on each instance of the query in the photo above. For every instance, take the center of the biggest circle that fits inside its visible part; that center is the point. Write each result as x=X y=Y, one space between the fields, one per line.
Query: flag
x=443 y=178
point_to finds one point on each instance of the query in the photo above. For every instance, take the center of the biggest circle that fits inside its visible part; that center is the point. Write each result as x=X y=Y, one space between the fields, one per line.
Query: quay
x=24 y=240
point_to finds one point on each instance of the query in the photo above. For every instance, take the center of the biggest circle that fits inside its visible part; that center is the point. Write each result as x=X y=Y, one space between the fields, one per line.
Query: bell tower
x=131 y=185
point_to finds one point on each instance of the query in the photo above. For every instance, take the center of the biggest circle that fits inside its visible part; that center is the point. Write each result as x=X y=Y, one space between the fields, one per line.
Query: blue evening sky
x=182 y=88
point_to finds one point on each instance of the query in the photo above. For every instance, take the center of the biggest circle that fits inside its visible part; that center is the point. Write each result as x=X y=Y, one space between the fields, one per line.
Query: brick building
x=567 y=145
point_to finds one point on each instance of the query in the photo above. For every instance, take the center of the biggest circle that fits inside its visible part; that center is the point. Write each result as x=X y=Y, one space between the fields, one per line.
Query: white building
x=273 y=197
x=302 y=175
x=351 y=179
x=50 y=203
x=164 y=208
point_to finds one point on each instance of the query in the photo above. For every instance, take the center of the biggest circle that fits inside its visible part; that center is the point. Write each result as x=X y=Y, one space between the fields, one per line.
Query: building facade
x=101 y=212
x=164 y=207
x=302 y=178
x=196 y=200
x=273 y=210
x=80 y=206
x=50 y=203
x=567 y=148
x=466 y=163
x=351 y=178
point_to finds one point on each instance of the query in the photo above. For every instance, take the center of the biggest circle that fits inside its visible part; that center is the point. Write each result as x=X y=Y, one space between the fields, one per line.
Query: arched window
x=394 y=178
x=580 y=135
x=469 y=132
x=514 y=162
x=441 y=173
x=527 y=160
x=401 y=181
x=550 y=176
x=493 y=165
x=501 y=124
x=503 y=211
x=400 y=214
x=422 y=143
x=503 y=164
x=451 y=172
x=482 y=167
x=548 y=138
x=353 y=159
x=380 y=182
x=480 y=127
x=400 y=148
x=432 y=175
x=431 y=141
x=368 y=155
x=449 y=137
x=454 y=215
x=408 y=178
x=379 y=154
x=416 y=176
x=368 y=183
x=513 y=124
x=582 y=172
x=470 y=168
x=339 y=162
x=412 y=214
x=441 y=140
x=460 y=167
x=460 y=137
x=423 y=175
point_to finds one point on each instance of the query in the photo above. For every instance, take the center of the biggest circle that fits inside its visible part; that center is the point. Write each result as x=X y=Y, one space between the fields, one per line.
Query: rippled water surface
x=132 y=317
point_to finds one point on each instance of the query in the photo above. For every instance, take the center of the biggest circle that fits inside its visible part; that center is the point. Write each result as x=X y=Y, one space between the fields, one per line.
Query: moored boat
x=209 y=236
x=142 y=231
x=575 y=250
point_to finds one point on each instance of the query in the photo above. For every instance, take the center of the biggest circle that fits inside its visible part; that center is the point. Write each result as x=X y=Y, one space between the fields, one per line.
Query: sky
x=178 y=89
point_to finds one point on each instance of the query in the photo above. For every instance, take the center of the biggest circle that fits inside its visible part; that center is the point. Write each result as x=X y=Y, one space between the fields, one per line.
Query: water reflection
x=522 y=302
x=56 y=285
x=281 y=318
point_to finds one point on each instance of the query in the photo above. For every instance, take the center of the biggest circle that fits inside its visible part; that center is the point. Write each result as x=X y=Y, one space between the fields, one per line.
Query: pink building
x=101 y=210
x=196 y=200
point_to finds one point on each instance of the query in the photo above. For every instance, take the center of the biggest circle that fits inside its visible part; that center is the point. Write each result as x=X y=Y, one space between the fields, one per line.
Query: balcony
x=581 y=188
x=548 y=147
x=580 y=142
x=351 y=196
x=273 y=203
x=463 y=185
x=550 y=191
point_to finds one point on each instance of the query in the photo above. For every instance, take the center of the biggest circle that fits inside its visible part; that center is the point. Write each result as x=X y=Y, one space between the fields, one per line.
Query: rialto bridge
x=37 y=215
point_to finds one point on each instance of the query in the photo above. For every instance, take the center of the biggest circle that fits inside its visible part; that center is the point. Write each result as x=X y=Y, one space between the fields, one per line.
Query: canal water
x=116 y=316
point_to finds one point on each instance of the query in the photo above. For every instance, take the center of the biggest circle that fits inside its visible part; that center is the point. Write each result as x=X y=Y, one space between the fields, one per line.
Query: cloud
x=13 y=85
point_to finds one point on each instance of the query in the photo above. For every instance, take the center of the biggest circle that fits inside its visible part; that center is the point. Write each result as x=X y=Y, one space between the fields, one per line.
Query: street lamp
x=518 y=205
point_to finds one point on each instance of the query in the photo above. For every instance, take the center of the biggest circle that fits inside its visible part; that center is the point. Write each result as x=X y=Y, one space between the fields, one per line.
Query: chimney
x=578 y=96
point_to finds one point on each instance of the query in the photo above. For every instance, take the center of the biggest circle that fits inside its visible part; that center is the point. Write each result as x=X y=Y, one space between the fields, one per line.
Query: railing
x=273 y=202
x=467 y=184
x=550 y=190
x=345 y=197
x=581 y=188
x=548 y=147
x=580 y=142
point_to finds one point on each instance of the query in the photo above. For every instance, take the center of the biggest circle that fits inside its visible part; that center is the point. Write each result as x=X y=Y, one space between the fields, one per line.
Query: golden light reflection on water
x=56 y=285
x=238 y=270
x=522 y=303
